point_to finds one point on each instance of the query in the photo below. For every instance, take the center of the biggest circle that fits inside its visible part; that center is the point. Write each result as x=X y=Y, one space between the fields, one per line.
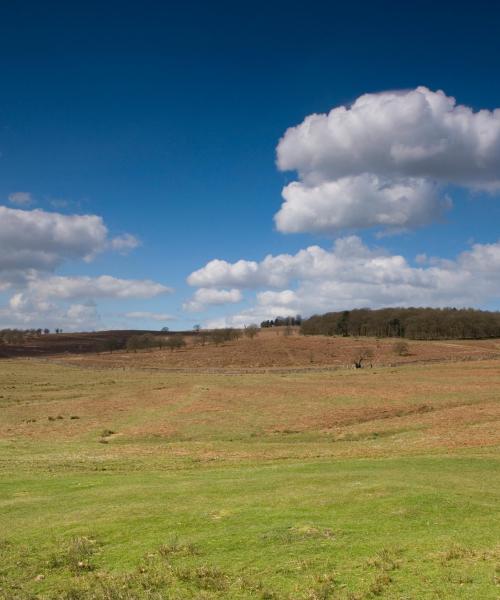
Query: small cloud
x=204 y=297
x=64 y=203
x=149 y=316
x=21 y=198
x=125 y=243
x=59 y=203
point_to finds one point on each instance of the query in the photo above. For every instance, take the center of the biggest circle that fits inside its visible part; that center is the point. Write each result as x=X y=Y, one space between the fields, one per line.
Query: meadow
x=127 y=483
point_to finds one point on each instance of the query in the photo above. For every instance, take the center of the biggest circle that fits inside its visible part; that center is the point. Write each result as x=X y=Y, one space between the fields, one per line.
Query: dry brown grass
x=273 y=350
x=380 y=411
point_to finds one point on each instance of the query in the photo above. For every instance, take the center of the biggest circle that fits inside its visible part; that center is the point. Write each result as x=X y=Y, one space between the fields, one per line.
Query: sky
x=181 y=163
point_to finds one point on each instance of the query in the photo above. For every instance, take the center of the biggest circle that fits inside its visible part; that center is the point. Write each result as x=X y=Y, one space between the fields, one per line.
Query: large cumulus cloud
x=385 y=160
x=351 y=274
x=38 y=239
x=360 y=202
x=389 y=161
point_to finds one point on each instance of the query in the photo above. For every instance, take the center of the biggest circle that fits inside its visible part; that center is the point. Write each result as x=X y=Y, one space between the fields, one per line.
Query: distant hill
x=30 y=344
x=412 y=323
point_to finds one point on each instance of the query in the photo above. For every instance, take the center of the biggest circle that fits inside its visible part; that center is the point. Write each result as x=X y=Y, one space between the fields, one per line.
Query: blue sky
x=163 y=119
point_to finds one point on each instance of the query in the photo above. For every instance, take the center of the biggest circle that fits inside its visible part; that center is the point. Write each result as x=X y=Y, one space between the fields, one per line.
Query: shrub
x=175 y=343
x=133 y=343
x=201 y=338
x=138 y=342
x=76 y=554
x=401 y=348
x=251 y=331
x=112 y=344
x=219 y=336
x=362 y=355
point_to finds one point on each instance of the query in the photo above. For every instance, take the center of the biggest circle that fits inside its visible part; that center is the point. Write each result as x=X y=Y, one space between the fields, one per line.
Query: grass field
x=375 y=483
x=271 y=349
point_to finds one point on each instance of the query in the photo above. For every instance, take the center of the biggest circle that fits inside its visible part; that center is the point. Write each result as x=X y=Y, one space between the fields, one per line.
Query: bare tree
x=363 y=355
x=133 y=343
x=251 y=331
x=219 y=336
x=175 y=342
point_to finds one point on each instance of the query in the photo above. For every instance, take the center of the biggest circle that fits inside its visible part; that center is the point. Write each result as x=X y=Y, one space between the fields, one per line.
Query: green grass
x=150 y=516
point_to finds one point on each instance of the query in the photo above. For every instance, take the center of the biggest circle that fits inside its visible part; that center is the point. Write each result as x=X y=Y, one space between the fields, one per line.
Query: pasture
x=125 y=483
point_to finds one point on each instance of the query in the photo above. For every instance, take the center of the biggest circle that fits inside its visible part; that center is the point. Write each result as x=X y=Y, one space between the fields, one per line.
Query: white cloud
x=353 y=275
x=33 y=243
x=357 y=202
x=382 y=161
x=125 y=243
x=283 y=298
x=104 y=286
x=21 y=198
x=149 y=316
x=42 y=302
x=26 y=312
x=78 y=314
x=250 y=316
x=410 y=133
x=221 y=273
x=59 y=203
x=25 y=303
x=41 y=240
x=204 y=297
x=36 y=239
x=277 y=271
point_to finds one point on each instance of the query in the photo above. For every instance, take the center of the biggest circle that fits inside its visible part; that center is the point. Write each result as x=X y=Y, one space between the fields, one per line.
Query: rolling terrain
x=272 y=350
x=139 y=482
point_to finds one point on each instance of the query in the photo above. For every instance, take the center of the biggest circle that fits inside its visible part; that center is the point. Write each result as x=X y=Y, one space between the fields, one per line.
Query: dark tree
x=411 y=323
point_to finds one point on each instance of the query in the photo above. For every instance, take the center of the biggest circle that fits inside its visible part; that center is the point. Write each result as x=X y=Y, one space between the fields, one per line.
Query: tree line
x=18 y=336
x=282 y=322
x=177 y=342
x=411 y=323
x=124 y=341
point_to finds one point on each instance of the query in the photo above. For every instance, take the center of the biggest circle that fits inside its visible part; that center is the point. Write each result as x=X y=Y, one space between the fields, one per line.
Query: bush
x=201 y=338
x=251 y=331
x=134 y=343
x=362 y=355
x=219 y=336
x=109 y=345
x=138 y=342
x=12 y=336
x=401 y=349
x=175 y=343
x=76 y=555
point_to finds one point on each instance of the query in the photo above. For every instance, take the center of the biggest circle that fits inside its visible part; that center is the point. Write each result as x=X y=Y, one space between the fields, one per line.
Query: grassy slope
x=273 y=350
x=379 y=483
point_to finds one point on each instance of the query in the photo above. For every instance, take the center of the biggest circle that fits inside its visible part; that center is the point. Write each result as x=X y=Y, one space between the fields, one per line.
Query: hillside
x=61 y=343
x=271 y=349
